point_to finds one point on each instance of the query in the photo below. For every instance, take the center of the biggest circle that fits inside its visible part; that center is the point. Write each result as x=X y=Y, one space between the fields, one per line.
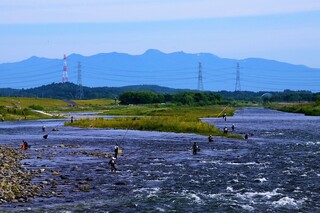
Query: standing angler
x=116 y=151
x=112 y=163
x=224 y=116
x=195 y=148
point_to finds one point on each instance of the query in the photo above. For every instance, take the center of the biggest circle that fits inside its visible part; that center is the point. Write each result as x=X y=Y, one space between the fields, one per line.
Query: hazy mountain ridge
x=174 y=70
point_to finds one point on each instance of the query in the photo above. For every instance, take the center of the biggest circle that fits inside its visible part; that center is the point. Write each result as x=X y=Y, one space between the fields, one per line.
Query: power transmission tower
x=65 y=70
x=80 y=88
x=200 y=82
x=238 y=85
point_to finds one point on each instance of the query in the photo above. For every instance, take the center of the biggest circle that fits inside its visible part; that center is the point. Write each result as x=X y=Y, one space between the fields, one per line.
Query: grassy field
x=92 y=105
x=17 y=108
x=23 y=103
x=164 y=118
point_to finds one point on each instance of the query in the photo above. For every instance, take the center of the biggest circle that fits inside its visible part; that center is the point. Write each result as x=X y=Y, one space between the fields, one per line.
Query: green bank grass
x=94 y=102
x=312 y=109
x=163 y=118
x=169 y=110
x=18 y=108
x=23 y=103
x=92 y=105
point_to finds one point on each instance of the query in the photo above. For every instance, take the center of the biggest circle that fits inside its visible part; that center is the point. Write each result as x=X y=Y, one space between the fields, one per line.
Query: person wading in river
x=112 y=163
x=116 y=151
x=233 y=127
x=25 y=145
x=224 y=116
x=195 y=148
x=246 y=136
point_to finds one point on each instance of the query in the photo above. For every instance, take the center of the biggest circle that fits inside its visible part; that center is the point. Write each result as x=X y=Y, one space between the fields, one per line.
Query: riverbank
x=312 y=109
x=15 y=180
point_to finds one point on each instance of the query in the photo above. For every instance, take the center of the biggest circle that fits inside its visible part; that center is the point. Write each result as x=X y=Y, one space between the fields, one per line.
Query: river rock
x=84 y=187
x=55 y=173
x=120 y=183
x=15 y=181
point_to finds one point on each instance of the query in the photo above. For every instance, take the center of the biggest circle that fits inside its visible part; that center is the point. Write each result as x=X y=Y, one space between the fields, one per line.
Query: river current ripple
x=275 y=170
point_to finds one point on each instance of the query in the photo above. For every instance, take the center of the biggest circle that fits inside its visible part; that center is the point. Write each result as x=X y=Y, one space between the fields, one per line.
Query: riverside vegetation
x=16 y=108
x=158 y=117
x=182 y=115
x=13 y=108
x=305 y=108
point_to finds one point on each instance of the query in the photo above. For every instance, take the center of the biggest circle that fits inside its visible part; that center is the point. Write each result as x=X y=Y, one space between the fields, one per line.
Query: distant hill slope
x=174 y=70
x=69 y=91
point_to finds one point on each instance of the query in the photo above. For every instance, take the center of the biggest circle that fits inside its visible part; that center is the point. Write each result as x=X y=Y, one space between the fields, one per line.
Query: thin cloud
x=106 y=11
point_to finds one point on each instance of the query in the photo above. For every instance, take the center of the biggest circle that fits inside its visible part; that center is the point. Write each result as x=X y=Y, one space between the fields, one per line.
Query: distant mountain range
x=175 y=70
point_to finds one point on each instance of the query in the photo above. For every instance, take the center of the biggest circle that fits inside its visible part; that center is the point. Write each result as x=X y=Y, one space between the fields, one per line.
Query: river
x=275 y=170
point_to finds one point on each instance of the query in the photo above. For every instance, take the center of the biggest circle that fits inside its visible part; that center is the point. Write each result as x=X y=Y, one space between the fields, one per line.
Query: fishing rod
x=54 y=129
x=223 y=110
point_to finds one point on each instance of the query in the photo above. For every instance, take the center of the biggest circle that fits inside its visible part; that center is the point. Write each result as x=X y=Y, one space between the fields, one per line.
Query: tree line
x=183 y=98
x=159 y=94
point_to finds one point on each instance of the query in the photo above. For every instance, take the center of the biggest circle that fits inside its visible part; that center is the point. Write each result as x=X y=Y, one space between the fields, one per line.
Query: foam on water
x=191 y=196
x=242 y=164
x=247 y=208
x=230 y=189
x=261 y=180
x=288 y=202
x=312 y=143
x=255 y=195
x=160 y=209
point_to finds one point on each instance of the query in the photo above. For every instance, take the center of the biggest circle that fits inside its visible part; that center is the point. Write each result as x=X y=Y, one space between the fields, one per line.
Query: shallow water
x=275 y=170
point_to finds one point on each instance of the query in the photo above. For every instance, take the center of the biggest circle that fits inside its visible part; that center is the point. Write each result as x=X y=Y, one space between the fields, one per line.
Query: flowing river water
x=276 y=170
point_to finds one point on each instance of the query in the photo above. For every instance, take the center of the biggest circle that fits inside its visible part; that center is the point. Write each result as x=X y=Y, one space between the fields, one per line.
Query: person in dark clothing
x=210 y=138
x=43 y=128
x=246 y=136
x=71 y=119
x=112 y=163
x=233 y=127
x=224 y=116
x=25 y=145
x=195 y=148
x=116 y=151
x=225 y=130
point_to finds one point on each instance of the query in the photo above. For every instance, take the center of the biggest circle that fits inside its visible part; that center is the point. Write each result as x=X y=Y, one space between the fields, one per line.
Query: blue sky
x=283 y=30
